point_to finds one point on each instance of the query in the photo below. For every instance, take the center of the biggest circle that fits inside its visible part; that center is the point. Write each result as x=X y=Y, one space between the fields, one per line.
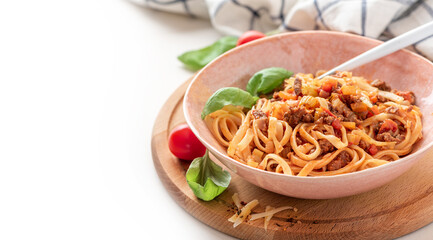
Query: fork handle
x=422 y=32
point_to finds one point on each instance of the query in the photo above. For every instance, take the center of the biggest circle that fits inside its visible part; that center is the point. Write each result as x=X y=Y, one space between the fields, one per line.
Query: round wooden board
x=393 y=210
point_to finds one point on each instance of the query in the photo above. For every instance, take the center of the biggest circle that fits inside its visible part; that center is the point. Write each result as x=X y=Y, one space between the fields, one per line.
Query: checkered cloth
x=381 y=19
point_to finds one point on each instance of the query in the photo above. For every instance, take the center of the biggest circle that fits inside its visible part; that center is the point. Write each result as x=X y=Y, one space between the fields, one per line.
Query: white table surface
x=81 y=84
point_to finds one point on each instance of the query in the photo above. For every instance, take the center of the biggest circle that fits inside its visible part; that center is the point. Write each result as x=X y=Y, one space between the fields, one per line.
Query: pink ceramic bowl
x=308 y=52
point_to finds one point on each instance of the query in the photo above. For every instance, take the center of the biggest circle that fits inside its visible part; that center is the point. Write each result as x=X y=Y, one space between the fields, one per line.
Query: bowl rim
x=214 y=151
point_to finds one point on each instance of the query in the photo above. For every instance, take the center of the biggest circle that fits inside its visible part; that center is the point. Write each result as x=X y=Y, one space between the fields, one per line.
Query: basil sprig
x=228 y=96
x=206 y=179
x=197 y=59
x=266 y=80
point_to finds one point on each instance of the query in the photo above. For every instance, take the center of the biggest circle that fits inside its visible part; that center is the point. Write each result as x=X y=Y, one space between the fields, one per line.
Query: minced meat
x=380 y=84
x=326 y=146
x=339 y=162
x=297 y=115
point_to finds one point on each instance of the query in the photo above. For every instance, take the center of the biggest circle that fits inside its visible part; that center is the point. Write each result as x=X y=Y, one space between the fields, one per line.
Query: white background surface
x=80 y=85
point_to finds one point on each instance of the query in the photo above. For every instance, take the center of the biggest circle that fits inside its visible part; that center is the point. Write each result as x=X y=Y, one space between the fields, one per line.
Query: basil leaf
x=266 y=80
x=197 y=59
x=228 y=96
x=206 y=179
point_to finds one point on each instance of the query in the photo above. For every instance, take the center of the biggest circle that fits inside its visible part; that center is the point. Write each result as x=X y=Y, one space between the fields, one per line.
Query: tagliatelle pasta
x=321 y=127
x=243 y=213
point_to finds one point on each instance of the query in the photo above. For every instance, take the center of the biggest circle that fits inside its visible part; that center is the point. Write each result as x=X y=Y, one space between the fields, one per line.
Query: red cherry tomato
x=249 y=36
x=373 y=149
x=184 y=144
x=387 y=125
x=336 y=124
